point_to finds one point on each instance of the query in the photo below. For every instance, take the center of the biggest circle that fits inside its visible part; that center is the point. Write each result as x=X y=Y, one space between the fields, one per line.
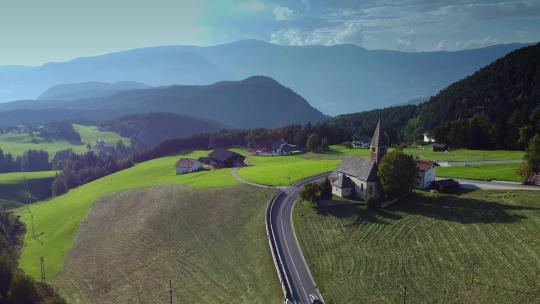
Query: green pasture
x=504 y=172
x=57 y=220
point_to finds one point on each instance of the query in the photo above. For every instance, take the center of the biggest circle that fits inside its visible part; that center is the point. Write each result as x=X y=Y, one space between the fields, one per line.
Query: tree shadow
x=462 y=210
x=357 y=212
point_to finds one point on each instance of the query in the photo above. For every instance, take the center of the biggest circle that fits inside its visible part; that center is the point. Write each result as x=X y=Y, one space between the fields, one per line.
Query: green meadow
x=504 y=172
x=470 y=247
x=57 y=220
x=16 y=144
x=283 y=170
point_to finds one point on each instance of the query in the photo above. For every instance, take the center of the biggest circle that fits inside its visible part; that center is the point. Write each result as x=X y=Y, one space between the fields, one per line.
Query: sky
x=34 y=32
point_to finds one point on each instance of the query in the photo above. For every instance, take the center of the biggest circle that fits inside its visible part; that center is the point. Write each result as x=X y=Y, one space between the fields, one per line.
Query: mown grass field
x=504 y=172
x=16 y=144
x=427 y=243
x=13 y=189
x=58 y=219
x=210 y=242
x=283 y=170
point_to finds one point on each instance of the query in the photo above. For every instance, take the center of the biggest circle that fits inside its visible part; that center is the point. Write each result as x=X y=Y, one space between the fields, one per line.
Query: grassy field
x=210 y=242
x=505 y=172
x=283 y=170
x=427 y=243
x=339 y=152
x=13 y=189
x=465 y=155
x=58 y=219
x=16 y=144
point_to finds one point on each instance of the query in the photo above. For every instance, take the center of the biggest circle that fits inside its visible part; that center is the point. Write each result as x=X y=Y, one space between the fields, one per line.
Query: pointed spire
x=376 y=141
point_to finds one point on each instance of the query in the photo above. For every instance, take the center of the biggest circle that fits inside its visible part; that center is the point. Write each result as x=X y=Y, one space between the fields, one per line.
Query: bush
x=326 y=189
x=372 y=204
x=311 y=192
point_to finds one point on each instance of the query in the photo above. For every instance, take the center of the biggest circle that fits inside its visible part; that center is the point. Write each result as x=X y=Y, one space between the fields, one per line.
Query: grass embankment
x=58 y=219
x=283 y=170
x=427 y=243
x=16 y=144
x=210 y=242
x=13 y=190
x=506 y=172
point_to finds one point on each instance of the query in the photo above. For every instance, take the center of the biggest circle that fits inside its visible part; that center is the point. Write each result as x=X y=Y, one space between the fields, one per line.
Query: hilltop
x=73 y=91
x=254 y=102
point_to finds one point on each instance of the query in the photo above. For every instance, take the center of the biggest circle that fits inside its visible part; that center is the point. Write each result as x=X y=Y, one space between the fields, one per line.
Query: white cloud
x=306 y=4
x=445 y=45
x=406 y=41
x=282 y=12
x=251 y=6
x=350 y=33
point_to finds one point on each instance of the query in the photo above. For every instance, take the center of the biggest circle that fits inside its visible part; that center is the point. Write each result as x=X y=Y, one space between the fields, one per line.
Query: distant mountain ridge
x=335 y=79
x=91 y=89
x=254 y=102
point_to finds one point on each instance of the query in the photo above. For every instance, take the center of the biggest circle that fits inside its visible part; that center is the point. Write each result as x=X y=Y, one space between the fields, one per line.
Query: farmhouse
x=426 y=173
x=221 y=158
x=281 y=147
x=358 y=176
x=187 y=165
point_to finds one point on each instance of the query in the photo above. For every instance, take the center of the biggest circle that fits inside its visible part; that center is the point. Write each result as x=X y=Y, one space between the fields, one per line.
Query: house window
x=361 y=187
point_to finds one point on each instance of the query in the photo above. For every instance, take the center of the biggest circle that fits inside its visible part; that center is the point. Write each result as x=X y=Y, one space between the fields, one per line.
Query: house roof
x=223 y=155
x=187 y=163
x=343 y=182
x=424 y=165
x=440 y=145
x=362 y=168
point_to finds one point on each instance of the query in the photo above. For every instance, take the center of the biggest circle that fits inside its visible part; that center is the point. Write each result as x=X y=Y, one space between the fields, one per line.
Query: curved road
x=292 y=268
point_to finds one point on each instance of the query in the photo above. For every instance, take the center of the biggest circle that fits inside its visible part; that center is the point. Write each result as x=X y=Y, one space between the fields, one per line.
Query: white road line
x=289 y=252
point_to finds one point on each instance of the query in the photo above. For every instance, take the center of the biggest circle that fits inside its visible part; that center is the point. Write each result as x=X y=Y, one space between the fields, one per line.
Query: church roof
x=361 y=168
x=376 y=141
x=343 y=182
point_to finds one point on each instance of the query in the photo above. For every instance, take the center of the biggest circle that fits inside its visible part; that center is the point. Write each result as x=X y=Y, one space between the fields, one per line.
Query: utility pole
x=170 y=291
x=403 y=292
x=42 y=268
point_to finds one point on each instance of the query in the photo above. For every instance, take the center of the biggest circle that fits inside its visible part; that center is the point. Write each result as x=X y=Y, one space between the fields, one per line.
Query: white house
x=426 y=173
x=188 y=165
x=428 y=139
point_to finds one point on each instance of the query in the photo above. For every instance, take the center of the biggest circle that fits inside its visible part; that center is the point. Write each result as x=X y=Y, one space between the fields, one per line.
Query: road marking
x=289 y=251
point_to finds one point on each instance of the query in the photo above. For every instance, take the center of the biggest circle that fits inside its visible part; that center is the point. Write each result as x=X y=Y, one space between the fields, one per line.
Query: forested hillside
x=497 y=107
x=147 y=130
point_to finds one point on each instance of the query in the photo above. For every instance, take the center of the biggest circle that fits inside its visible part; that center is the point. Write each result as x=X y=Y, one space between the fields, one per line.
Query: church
x=357 y=176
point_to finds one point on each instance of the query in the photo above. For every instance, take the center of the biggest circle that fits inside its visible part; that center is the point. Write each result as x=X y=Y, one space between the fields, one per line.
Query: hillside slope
x=214 y=250
x=256 y=101
x=498 y=106
x=147 y=130
x=72 y=91
x=336 y=79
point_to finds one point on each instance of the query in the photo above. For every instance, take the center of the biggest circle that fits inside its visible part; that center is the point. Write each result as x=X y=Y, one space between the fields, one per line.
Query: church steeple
x=378 y=149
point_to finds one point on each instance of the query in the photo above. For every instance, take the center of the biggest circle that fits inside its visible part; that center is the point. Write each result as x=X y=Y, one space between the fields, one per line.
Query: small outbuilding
x=444 y=185
x=426 y=173
x=188 y=165
x=440 y=147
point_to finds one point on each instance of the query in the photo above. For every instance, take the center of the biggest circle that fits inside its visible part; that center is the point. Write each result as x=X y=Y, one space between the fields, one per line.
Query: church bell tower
x=378 y=148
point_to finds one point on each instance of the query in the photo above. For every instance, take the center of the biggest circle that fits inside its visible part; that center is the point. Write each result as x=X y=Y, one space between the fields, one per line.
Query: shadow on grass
x=462 y=210
x=357 y=212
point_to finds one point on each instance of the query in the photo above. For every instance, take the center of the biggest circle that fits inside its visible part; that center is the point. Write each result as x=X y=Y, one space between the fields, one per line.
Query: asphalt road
x=292 y=267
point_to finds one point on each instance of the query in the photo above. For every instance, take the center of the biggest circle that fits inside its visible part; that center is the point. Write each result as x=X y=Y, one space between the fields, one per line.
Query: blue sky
x=37 y=31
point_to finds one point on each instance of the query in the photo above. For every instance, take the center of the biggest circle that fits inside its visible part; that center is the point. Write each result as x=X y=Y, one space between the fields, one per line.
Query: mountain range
x=335 y=79
x=254 y=102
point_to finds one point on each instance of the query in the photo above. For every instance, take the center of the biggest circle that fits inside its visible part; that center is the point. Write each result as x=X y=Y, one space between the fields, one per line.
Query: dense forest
x=15 y=286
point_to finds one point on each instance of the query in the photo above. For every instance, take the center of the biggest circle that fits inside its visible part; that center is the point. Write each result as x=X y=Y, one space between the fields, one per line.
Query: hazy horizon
x=37 y=32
